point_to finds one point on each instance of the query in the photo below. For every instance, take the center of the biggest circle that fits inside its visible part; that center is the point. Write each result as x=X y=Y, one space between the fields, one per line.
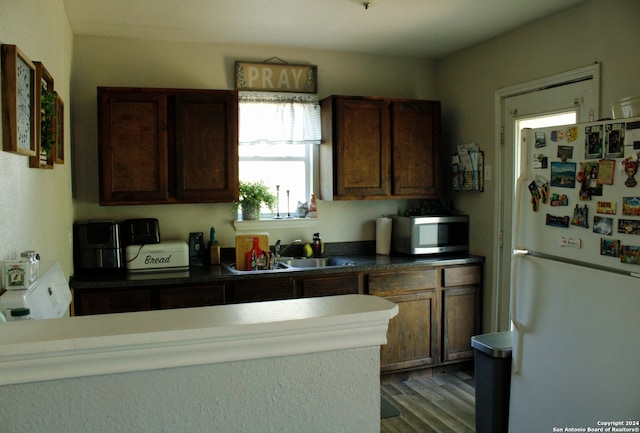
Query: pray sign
x=269 y=77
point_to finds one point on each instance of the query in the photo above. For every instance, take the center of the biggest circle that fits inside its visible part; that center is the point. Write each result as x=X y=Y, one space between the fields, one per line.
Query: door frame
x=591 y=72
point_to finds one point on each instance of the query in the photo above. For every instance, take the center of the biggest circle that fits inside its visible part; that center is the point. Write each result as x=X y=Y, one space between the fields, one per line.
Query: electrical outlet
x=70 y=234
x=487 y=172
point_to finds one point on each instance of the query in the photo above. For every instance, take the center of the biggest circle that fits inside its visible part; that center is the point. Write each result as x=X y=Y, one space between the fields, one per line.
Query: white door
x=542 y=103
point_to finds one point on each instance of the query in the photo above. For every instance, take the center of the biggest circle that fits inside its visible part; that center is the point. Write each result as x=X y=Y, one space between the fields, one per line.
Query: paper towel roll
x=383 y=236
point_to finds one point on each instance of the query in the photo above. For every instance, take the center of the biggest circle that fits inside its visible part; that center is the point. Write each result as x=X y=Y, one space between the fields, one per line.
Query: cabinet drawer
x=260 y=290
x=403 y=281
x=462 y=276
x=326 y=286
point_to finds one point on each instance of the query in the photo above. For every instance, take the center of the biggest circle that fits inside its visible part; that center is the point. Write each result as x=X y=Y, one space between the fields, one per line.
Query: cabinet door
x=132 y=146
x=412 y=334
x=461 y=310
x=461 y=321
x=415 y=148
x=361 y=149
x=326 y=286
x=258 y=290
x=190 y=296
x=86 y=302
x=207 y=146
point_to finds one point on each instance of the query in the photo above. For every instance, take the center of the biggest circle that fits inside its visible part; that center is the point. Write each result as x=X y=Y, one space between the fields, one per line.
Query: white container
x=383 y=236
x=172 y=255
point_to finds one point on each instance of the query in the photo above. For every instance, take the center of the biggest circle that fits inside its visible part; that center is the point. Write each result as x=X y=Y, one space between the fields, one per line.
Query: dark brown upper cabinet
x=379 y=148
x=163 y=146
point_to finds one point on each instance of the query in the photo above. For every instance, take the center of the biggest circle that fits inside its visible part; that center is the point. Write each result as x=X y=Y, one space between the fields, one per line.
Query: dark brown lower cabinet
x=411 y=342
x=439 y=312
x=260 y=290
x=191 y=296
x=104 y=301
x=328 y=286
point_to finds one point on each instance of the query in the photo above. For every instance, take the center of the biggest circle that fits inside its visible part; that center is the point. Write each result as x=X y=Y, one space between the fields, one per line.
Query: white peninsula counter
x=298 y=365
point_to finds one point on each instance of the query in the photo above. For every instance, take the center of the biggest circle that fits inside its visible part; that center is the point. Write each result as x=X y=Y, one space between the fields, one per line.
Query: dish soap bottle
x=317 y=245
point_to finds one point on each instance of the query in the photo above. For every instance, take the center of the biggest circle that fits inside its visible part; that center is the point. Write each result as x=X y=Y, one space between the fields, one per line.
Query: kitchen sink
x=298 y=263
x=313 y=262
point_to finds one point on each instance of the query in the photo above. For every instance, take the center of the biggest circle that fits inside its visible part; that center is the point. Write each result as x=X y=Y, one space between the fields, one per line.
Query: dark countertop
x=222 y=273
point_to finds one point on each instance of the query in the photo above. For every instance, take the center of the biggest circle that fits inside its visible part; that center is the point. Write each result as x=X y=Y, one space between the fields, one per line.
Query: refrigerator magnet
x=557 y=221
x=580 y=216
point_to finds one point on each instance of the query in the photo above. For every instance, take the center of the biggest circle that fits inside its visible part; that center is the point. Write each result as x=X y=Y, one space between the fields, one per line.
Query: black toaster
x=140 y=231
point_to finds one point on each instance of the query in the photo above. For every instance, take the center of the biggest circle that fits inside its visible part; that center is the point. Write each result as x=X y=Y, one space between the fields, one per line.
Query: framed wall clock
x=18 y=102
x=45 y=120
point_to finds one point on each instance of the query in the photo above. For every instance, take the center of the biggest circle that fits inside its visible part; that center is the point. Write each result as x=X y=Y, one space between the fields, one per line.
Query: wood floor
x=440 y=404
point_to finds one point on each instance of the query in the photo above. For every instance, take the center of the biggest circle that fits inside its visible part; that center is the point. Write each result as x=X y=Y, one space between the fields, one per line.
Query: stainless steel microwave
x=430 y=234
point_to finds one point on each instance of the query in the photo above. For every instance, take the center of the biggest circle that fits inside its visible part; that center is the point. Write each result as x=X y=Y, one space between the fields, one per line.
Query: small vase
x=250 y=212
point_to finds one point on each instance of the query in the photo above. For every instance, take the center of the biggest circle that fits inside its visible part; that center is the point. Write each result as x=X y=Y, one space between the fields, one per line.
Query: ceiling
x=410 y=28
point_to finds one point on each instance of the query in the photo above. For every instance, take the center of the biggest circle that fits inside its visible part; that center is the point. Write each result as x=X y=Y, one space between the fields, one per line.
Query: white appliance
x=575 y=306
x=47 y=298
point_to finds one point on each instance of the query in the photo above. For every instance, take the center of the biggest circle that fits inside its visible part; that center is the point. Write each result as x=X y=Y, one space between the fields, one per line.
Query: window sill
x=274 y=224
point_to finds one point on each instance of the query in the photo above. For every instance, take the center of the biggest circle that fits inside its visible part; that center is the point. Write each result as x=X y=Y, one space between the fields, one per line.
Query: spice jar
x=32 y=259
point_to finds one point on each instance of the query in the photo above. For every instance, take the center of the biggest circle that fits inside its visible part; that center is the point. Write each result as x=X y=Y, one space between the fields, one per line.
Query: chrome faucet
x=279 y=251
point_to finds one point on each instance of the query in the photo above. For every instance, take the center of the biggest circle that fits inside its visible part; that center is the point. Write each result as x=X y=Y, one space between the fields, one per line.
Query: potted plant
x=252 y=195
x=47 y=122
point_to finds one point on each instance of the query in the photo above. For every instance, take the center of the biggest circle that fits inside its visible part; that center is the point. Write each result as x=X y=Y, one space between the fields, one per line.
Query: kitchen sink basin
x=293 y=264
x=315 y=262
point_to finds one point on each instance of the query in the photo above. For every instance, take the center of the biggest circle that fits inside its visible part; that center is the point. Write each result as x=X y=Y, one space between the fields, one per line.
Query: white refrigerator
x=575 y=280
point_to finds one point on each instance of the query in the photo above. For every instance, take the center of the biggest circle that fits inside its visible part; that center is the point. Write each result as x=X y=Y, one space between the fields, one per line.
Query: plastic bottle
x=313 y=207
x=317 y=245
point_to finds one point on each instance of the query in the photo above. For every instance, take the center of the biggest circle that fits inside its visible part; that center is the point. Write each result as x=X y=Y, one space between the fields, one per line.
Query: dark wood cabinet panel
x=190 y=296
x=260 y=290
x=415 y=148
x=326 y=286
x=462 y=275
x=133 y=149
x=106 y=301
x=160 y=146
x=375 y=148
x=404 y=281
x=411 y=338
x=461 y=321
x=207 y=146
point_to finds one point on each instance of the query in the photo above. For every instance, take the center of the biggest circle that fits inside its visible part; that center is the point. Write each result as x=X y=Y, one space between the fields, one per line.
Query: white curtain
x=282 y=118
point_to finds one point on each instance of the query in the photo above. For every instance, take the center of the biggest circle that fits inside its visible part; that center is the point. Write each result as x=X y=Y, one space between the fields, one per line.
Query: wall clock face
x=25 y=89
x=19 y=103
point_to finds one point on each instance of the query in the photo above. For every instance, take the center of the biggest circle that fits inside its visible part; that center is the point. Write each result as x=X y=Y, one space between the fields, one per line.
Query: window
x=277 y=136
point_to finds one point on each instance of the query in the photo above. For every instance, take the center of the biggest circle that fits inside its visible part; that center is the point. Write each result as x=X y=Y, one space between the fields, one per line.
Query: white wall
x=36 y=208
x=321 y=392
x=120 y=62
x=597 y=31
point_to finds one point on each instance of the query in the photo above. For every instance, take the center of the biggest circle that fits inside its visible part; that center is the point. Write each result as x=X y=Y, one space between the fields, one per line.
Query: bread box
x=170 y=255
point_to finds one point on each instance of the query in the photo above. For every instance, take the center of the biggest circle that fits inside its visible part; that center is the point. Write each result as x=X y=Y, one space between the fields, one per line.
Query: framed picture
x=18 y=102
x=45 y=119
x=58 y=153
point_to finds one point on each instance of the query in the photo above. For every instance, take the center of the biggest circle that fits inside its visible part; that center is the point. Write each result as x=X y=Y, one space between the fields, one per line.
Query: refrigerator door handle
x=518 y=327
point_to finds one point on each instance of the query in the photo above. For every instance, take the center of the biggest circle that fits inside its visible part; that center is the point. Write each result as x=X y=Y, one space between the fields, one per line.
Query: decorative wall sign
x=276 y=77
x=18 y=102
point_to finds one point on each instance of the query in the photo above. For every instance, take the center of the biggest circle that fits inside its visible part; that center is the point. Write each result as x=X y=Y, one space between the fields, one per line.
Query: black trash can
x=492 y=370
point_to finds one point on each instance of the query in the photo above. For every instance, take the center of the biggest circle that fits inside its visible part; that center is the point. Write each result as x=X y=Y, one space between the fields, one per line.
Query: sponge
x=308 y=251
